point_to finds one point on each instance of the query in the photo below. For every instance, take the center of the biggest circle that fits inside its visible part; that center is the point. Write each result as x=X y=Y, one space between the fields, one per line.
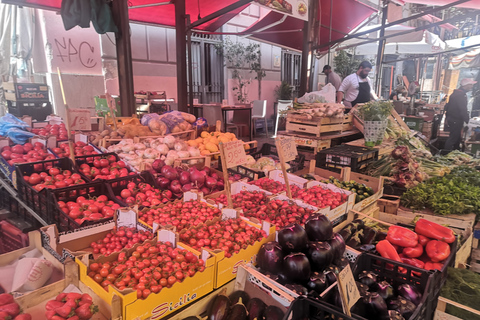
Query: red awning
x=473 y=4
x=432 y=19
x=343 y=21
x=161 y=15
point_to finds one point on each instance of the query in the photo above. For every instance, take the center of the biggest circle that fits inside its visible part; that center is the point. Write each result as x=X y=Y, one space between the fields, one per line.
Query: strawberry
x=61 y=297
x=23 y=316
x=71 y=304
x=73 y=296
x=55 y=317
x=86 y=298
x=85 y=311
x=64 y=311
x=74 y=318
x=6 y=298
x=12 y=309
x=53 y=304
x=4 y=315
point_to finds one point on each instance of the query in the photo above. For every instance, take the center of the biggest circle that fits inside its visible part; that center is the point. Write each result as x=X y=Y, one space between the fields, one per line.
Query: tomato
x=94 y=267
x=54 y=171
x=163 y=282
x=125 y=193
x=34 y=179
x=98 y=278
x=104 y=272
x=171 y=280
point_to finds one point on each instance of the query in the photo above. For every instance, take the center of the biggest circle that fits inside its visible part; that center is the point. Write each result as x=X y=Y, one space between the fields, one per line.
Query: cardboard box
x=375 y=183
x=159 y=305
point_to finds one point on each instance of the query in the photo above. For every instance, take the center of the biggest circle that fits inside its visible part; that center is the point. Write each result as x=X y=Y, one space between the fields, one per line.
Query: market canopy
x=289 y=29
x=472 y=4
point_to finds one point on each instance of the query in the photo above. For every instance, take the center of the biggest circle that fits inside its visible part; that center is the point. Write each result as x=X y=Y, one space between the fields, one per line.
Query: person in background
x=395 y=93
x=457 y=113
x=332 y=77
x=357 y=87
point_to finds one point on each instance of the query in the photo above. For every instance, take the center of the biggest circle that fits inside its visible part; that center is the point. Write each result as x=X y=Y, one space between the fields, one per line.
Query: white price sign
x=289 y=148
x=79 y=119
x=349 y=292
x=234 y=152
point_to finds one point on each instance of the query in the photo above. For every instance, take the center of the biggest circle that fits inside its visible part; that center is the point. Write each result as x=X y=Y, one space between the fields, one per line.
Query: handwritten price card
x=79 y=119
x=349 y=290
x=289 y=148
x=234 y=152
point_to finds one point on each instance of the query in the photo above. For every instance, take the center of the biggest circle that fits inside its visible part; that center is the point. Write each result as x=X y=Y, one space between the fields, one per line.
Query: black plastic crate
x=39 y=110
x=55 y=214
x=17 y=212
x=89 y=159
x=343 y=155
x=115 y=186
x=11 y=238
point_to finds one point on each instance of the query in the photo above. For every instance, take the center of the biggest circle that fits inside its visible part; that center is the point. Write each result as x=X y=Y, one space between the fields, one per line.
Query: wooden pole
x=67 y=118
x=226 y=181
x=281 y=156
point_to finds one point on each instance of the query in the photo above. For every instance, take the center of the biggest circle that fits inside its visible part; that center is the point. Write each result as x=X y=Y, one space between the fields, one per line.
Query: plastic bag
x=19 y=136
x=8 y=122
x=200 y=123
x=328 y=94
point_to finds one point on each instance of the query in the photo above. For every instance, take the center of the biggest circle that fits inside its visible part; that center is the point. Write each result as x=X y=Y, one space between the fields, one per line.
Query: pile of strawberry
x=280 y=213
x=89 y=209
x=118 y=239
x=72 y=306
x=230 y=236
x=105 y=168
x=246 y=200
x=319 y=197
x=143 y=194
x=269 y=185
x=10 y=310
x=179 y=214
x=54 y=178
x=148 y=269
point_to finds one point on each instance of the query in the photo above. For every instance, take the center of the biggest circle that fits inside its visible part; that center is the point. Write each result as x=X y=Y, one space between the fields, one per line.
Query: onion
x=197 y=178
x=157 y=165
x=171 y=174
x=194 y=152
x=175 y=186
x=151 y=153
x=214 y=175
x=184 y=177
x=128 y=147
x=297 y=267
x=320 y=255
x=169 y=141
x=183 y=154
x=206 y=170
x=270 y=257
x=220 y=185
x=172 y=154
x=169 y=161
x=318 y=228
x=180 y=146
x=211 y=182
x=165 y=168
x=338 y=246
x=162 y=148
x=293 y=238
x=187 y=187
x=163 y=183
x=139 y=146
x=205 y=191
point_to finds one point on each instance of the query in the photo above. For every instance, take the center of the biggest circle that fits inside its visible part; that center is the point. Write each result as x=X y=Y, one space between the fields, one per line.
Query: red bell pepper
x=429 y=265
x=402 y=237
x=412 y=261
x=434 y=230
x=423 y=240
x=437 y=250
x=386 y=250
x=413 y=252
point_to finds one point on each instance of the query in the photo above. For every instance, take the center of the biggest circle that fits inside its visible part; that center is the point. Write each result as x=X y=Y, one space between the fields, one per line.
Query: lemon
x=204 y=152
x=211 y=147
x=204 y=134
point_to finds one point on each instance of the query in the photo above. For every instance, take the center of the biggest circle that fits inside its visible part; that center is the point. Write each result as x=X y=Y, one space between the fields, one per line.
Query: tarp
x=473 y=4
x=463 y=42
x=470 y=59
x=343 y=21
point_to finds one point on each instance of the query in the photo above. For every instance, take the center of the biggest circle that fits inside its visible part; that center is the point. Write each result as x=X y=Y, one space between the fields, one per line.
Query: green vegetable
x=360 y=189
x=375 y=110
x=462 y=286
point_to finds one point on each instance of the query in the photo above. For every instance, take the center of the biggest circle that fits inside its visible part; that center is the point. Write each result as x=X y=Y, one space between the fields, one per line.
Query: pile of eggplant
x=361 y=237
x=239 y=306
x=380 y=300
x=305 y=260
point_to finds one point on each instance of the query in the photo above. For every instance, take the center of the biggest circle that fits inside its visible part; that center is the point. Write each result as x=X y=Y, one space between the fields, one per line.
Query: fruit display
x=230 y=236
x=104 y=167
x=91 y=209
x=143 y=194
x=179 y=214
x=26 y=153
x=72 y=305
x=80 y=148
x=245 y=200
x=319 y=197
x=279 y=213
x=270 y=185
x=118 y=239
x=265 y=164
x=10 y=310
x=58 y=130
x=148 y=270
x=54 y=178
x=361 y=190
x=208 y=142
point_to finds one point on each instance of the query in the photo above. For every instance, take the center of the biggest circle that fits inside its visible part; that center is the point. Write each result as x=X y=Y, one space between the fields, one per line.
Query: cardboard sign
x=348 y=288
x=79 y=119
x=289 y=148
x=234 y=152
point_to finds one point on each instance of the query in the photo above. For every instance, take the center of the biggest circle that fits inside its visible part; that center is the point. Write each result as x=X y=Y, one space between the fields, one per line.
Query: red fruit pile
x=80 y=149
x=58 y=130
x=319 y=197
x=270 y=185
x=144 y=194
x=246 y=200
x=230 y=236
x=180 y=214
x=73 y=306
x=116 y=240
x=89 y=209
x=54 y=178
x=26 y=153
x=104 y=168
x=148 y=269
x=10 y=310
x=280 y=213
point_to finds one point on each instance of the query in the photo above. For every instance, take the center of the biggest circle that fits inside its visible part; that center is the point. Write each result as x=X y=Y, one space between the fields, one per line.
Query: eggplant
x=238 y=311
x=297 y=267
x=320 y=255
x=272 y=313
x=218 y=309
x=336 y=298
x=293 y=238
x=368 y=278
x=362 y=289
x=318 y=228
x=346 y=234
x=367 y=248
x=317 y=282
x=369 y=236
x=403 y=306
x=375 y=306
x=338 y=245
x=355 y=240
x=191 y=318
x=359 y=222
x=236 y=295
x=255 y=308
x=298 y=289
x=270 y=257
x=380 y=236
x=341 y=263
x=384 y=289
x=280 y=278
x=393 y=315
x=409 y=292
x=331 y=274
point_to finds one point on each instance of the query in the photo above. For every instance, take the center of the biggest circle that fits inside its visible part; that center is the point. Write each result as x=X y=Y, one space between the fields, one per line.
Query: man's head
x=364 y=69
x=327 y=69
x=467 y=84
x=401 y=89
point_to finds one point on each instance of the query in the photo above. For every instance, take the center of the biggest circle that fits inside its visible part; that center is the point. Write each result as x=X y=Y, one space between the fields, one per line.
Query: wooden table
x=239 y=108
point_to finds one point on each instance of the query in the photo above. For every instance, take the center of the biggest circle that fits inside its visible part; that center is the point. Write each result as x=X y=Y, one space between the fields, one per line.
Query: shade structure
x=160 y=15
x=473 y=4
x=463 y=42
x=346 y=15
x=470 y=59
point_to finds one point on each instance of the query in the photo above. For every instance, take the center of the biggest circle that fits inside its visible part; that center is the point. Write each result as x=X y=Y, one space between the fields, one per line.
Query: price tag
x=79 y=119
x=349 y=290
x=234 y=152
x=289 y=148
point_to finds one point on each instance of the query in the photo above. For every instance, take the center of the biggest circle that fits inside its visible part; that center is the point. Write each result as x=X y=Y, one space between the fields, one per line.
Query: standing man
x=457 y=113
x=332 y=77
x=357 y=87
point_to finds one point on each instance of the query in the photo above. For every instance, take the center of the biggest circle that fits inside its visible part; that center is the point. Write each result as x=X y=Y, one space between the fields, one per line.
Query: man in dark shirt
x=457 y=113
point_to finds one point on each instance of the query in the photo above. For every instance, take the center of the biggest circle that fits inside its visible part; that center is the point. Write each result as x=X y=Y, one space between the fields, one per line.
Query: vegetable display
x=270 y=185
x=319 y=197
x=92 y=209
x=80 y=148
x=72 y=306
x=362 y=191
x=104 y=168
x=208 y=142
x=53 y=178
x=10 y=310
x=25 y=153
x=118 y=239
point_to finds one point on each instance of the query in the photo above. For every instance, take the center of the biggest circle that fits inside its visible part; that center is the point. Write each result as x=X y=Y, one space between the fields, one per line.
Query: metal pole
x=181 y=49
x=124 y=57
x=381 y=51
x=304 y=68
x=190 y=67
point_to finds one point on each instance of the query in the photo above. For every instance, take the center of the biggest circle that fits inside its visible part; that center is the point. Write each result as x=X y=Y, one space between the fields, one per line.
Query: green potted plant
x=374 y=115
x=283 y=91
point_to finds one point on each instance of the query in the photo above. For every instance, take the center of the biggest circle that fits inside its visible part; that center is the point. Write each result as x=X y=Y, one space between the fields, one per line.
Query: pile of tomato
x=118 y=239
x=246 y=200
x=269 y=185
x=319 y=197
x=58 y=130
x=148 y=269
x=54 y=178
x=180 y=214
x=91 y=209
x=230 y=236
x=143 y=194
x=280 y=213
x=80 y=149
x=105 y=168
x=26 y=153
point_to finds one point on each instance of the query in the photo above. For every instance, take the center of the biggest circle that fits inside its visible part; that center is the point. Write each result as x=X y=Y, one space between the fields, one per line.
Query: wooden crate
x=318 y=126
x=440 y=313
x=389 y=204
x=312 y=144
